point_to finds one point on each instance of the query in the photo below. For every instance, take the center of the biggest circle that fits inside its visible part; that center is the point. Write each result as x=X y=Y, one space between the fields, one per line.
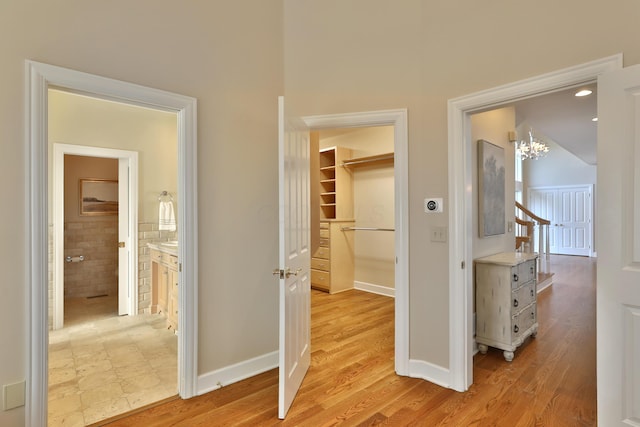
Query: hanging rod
x=370 y=159
x=366 y=229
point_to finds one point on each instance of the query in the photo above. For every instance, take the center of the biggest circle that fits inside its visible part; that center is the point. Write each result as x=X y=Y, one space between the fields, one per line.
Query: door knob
x=290 y=273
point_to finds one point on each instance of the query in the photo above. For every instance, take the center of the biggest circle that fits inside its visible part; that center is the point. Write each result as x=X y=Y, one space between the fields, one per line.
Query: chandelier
x=532 y=149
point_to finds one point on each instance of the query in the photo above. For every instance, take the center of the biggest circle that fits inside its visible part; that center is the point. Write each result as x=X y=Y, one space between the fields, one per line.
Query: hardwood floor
x=351 y=382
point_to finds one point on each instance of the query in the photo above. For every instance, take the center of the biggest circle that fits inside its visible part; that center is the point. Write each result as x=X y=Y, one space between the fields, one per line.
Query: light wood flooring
x=351 y=382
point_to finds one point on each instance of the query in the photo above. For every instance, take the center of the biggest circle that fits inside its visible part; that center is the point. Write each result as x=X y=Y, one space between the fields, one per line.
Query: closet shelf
x=369 y=160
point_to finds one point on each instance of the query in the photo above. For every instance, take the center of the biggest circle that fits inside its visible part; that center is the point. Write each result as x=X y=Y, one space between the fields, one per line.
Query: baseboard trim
x=429 y=372
x=375 y=289
x=240 y=371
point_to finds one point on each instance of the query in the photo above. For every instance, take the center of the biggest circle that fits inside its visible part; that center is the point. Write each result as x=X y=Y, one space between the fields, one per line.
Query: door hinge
x=462 y=265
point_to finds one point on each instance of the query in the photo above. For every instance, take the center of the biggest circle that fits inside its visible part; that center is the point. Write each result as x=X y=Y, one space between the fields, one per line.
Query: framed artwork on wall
x=491 y=189
x=98 y=197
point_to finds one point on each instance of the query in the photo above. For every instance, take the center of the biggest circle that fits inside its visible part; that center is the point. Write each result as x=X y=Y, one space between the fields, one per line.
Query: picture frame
x=491 y=189
x=98 y=197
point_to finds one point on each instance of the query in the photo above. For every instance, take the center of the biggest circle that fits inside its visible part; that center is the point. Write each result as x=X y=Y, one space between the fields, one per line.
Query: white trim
x=375 y=289
x=38 y=78
x=461 y=210
x=432 y=373
x=59 y=151
x=237 y=372
x=397 y=118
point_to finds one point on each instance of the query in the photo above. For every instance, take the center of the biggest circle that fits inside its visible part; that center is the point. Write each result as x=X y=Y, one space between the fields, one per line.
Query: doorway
x=41 y=77
x=461 y=297
x=398 y=120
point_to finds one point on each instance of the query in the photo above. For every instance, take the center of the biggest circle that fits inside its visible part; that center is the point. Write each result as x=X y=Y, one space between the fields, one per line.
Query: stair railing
x=530 y=244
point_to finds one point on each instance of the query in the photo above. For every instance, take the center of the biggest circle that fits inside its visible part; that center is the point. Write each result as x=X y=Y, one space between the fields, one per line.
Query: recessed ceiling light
x=595 y=119
x=584 y=92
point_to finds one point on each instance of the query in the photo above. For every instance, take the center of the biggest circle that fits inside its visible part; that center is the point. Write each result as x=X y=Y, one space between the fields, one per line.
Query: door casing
x=461 y=203
x=397 y=119
x=39 y=77
x=129 y=157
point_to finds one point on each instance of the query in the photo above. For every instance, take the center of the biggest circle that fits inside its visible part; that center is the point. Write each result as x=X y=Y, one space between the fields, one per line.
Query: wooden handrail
x=541 y=221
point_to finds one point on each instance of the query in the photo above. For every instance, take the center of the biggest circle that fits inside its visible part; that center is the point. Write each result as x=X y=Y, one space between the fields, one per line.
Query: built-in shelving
x=378 y=159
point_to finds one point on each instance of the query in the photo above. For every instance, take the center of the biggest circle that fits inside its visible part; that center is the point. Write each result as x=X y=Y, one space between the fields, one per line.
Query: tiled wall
x=147 y=233
x=97 y=241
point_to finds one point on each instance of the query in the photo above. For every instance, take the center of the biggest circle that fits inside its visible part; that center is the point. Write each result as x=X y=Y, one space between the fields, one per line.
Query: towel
x=167 y=219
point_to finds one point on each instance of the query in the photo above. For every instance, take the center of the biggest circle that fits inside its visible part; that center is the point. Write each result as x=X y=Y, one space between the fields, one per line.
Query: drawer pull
x=515 y=277
x=515 y=329
x=515 y=303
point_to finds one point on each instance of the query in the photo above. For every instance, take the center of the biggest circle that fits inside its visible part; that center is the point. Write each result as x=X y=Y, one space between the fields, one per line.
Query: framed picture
x=491 y=189
x=98 y=197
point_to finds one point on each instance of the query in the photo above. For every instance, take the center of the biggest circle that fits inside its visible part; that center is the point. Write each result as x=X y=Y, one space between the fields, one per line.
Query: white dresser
x=505 y=301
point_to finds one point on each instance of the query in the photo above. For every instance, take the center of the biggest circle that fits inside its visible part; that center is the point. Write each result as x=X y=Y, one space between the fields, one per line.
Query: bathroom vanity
x=164 y=282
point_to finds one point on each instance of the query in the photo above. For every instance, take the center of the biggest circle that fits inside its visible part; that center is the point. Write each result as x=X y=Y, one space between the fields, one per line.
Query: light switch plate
x=438 y=234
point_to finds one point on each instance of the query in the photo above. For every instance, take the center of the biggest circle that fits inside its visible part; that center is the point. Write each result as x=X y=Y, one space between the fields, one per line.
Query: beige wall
x=327 y=56
x=373 y=202
x=363 y=55
x=226 y=54
x=81 y=120
x=493 y=126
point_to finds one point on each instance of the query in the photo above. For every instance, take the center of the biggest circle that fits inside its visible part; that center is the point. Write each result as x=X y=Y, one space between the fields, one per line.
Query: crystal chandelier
x=532 y=149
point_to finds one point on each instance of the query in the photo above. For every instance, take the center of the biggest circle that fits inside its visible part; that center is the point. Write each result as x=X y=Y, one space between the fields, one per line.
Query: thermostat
x=433 y=205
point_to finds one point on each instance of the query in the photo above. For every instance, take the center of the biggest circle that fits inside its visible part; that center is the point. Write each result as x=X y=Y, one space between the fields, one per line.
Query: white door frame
x=131 y=158
x=461 y=204
x=397 y=119
x=38 y=79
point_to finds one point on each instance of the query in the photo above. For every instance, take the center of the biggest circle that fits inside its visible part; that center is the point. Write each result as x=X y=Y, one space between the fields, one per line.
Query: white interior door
x=618 y=216
x=569 y=211
x=124 y=238
x=573 y=226
x=294 y=258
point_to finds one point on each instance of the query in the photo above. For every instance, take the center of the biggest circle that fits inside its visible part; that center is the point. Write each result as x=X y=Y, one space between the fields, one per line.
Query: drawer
x=324 y=242
x=523 y=321
x=156 y=255
x=170 y=260
x=523 y=296
x=320 y=278
x=324 y=233
x=322 y=252
x=324 y=225
x=524 y=272
x=320 y=264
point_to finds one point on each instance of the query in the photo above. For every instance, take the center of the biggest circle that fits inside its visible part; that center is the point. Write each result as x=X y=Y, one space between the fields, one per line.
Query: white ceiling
x=564 y=118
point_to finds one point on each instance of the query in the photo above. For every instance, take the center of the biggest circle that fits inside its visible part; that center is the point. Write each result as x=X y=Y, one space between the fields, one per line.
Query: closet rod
x=371 y=159
x=366 y=228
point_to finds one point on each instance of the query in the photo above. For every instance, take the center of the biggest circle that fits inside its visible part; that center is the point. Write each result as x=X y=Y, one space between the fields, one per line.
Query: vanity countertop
x=166 y=247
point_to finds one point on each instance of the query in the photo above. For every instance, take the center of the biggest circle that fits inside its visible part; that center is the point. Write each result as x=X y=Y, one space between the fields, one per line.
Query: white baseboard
x=427 y=371
x=375 y=289
x=238 y=372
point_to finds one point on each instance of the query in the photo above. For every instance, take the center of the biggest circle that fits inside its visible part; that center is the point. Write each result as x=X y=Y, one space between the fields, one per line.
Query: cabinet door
x=163 y=281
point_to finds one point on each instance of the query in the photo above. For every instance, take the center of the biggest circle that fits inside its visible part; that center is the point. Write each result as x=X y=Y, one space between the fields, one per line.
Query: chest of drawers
x=332 y=264
x=505 y=301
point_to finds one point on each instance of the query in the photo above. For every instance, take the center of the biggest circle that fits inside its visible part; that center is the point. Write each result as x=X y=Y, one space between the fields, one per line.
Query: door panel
x=618 y=290
x=124 y=294
x=294 y=258
x=569 y=210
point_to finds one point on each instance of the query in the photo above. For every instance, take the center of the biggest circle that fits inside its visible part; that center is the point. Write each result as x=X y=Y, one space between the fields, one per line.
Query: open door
x=124 y=239
x=618 y=245
x=294 y=257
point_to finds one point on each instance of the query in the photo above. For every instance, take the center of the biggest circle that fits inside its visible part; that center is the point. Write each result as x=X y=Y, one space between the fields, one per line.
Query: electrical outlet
x=13 y=395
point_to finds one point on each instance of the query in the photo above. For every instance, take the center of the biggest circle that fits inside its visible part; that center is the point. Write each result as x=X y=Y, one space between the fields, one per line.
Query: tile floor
x=102 y=364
